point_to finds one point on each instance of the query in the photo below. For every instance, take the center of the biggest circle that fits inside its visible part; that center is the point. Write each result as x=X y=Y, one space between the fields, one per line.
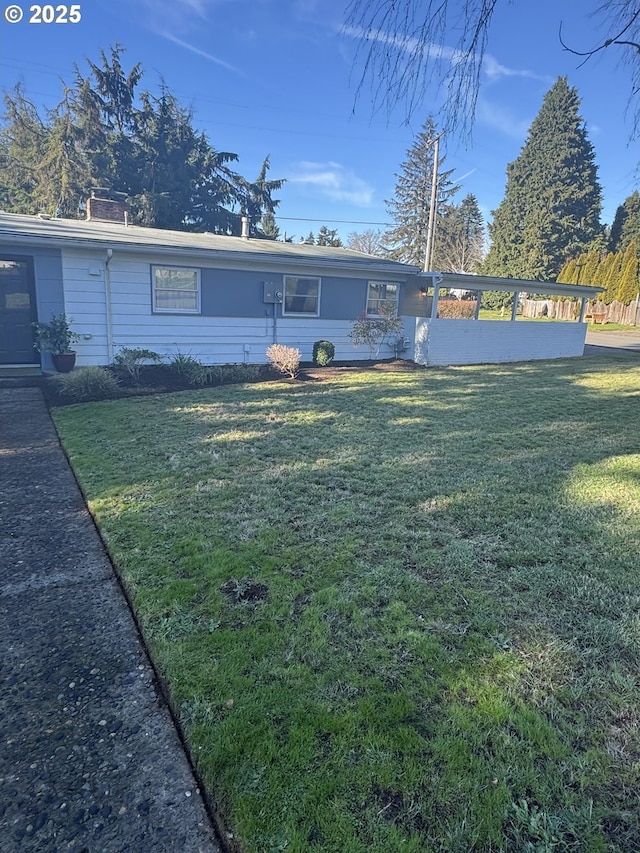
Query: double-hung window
x=175 y=290
x=301 y=296
x=382 y=299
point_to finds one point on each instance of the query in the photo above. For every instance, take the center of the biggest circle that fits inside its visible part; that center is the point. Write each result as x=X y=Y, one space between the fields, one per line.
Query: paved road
x=610 y=343
x=90 y=760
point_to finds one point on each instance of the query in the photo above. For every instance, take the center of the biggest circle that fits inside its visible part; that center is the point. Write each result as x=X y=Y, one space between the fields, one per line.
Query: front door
x=17 y=311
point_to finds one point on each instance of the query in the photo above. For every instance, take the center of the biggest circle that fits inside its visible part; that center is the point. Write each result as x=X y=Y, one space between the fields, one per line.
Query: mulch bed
x=158 y=379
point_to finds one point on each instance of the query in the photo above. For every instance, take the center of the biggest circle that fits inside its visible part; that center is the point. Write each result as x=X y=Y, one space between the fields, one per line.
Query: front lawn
x=395 y=611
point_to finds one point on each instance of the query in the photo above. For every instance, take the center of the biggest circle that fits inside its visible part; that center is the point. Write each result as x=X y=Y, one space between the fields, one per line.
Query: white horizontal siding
x=442 y=342
x=212 y=340
x=85 y=303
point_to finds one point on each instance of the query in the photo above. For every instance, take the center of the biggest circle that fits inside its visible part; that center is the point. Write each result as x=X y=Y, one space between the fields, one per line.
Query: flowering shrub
x=285 y=359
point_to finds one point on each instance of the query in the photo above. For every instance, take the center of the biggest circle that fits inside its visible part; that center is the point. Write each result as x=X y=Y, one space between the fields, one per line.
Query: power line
x=340 y=221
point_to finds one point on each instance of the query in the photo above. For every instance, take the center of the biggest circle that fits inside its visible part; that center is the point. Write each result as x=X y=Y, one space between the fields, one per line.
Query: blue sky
x=277 y=77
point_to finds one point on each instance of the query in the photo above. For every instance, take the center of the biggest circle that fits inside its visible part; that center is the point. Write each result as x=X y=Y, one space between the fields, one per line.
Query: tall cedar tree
x=103 y=133
x=409 y=209
x=626 y=224
x=551 y=208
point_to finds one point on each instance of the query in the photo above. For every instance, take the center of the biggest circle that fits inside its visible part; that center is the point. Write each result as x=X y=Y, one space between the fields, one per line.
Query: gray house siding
x=48 y=280
x=239 y=293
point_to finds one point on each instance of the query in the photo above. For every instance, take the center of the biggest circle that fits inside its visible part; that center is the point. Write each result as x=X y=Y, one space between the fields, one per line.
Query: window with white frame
x=382 y=298
x=175 y=290
x=301 y=296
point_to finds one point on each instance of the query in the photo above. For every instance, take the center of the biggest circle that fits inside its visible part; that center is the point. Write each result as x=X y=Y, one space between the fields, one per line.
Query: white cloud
x=333 y=181
x=493 y=115
x=495 y=71
x=416 y=49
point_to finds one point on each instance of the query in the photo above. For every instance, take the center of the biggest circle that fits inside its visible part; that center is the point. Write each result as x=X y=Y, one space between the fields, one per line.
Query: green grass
x=612 y=327
x=396 y=611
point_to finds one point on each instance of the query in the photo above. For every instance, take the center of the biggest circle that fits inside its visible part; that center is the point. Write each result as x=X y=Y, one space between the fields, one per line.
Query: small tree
x=373 y=332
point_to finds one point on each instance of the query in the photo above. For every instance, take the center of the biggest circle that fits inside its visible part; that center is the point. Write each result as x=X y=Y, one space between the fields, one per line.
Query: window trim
x=286 y=313
x=396 y=284
x=155 y=309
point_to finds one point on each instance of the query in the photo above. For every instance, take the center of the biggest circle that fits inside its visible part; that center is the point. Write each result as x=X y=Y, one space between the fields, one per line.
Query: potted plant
x=56 y=337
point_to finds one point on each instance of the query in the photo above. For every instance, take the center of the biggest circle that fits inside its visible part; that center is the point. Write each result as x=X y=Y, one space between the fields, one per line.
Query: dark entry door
x=17 y=311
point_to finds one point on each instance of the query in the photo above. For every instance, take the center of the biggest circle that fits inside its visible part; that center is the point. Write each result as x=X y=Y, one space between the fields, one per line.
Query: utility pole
x=431 y=230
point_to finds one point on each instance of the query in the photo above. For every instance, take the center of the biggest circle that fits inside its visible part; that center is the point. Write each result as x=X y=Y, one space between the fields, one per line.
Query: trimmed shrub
x=456 y=309
x=284 y=359
x=129 y=362
x=323 y=353
x=85 y=384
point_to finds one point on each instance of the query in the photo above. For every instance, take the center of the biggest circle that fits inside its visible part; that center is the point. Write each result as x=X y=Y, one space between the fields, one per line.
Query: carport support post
x=437 y=281
x=583 y=309
x=514 y=307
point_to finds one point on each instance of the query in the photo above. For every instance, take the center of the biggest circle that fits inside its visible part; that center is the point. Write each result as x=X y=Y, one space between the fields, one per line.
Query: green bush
x=128 y=362
x=86 y=384
x=188 y=368
x=323 y=353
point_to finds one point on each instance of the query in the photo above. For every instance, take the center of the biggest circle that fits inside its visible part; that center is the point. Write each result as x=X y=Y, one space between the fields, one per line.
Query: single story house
x=225 y=299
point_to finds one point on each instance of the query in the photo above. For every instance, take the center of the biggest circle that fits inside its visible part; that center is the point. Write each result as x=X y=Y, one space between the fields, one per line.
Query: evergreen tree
x=328 y=237
x=409 y=209
x=461 y=243
x=551 y=208
x=629 y=279
x=310 y=239
x=268 y=229
x=103 y=133
x=607 y=276
x=626 y=224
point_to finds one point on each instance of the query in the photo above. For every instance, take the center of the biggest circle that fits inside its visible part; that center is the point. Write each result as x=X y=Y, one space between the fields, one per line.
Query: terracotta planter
x=63 y=361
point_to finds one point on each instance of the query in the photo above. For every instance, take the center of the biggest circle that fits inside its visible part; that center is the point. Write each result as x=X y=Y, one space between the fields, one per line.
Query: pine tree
x=268 y=229
x=551 y=208
x=328 y=237
x=626 y=224
x=409 y=209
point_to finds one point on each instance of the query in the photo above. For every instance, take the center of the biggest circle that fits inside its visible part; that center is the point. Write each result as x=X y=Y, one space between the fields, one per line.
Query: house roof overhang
x=468 y=281
x=215 y=249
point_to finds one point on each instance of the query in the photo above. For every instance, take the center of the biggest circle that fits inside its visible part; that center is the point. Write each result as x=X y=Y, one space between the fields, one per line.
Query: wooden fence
x=597 y=312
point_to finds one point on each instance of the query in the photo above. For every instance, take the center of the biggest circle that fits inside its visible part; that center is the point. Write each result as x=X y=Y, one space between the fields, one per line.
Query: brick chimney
x=106 y=206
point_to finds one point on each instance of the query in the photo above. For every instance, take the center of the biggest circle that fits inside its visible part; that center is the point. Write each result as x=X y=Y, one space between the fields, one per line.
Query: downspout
x=107 y=296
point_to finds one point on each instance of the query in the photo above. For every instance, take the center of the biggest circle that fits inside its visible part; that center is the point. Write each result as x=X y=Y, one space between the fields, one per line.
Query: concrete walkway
x=90 y=759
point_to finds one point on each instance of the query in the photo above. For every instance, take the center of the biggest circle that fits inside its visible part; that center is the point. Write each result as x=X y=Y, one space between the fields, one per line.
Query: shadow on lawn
x=449 y=582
